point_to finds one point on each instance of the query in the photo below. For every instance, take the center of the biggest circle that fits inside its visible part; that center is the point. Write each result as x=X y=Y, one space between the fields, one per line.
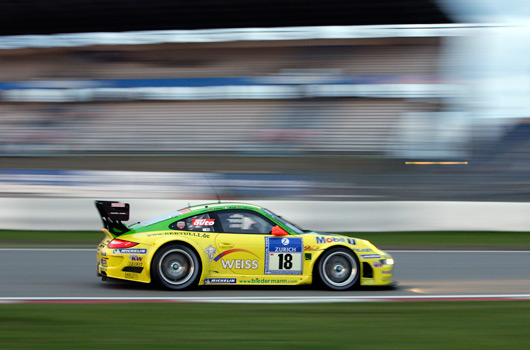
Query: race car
x=232 y=244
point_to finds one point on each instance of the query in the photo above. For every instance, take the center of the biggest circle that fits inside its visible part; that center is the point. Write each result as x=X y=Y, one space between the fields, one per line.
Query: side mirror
x=278 y=231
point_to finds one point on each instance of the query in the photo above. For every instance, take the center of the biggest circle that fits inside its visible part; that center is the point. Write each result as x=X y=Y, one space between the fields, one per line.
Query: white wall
x=333 y=216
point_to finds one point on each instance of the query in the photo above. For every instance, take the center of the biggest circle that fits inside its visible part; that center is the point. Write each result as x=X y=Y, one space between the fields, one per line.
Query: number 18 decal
x=283 y=255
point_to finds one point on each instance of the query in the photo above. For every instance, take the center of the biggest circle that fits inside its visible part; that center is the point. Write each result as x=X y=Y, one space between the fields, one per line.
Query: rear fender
x=192 y=244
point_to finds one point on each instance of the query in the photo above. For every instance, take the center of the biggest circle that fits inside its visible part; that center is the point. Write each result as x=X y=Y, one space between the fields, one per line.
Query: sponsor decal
x=132 y=275
x=210 y=251
x=103 y=253
x=220 y=280
x=118 y=205
x=206 y=229
x=178 y=233
x=363 y=250
x=377 y=265
x=371 y=256
x=103 y=262
x=181 y=225
x=283 y=256
x=191 y=234
x=308 y=247
x=129 y=251
x=203 y=222
x=386 y=272
x=136 y=261
x=351 y=241
x=239 y=264
x=230 y=251
x=268 y=281
x=285 y=249
x=307 y=256
x=322 y=240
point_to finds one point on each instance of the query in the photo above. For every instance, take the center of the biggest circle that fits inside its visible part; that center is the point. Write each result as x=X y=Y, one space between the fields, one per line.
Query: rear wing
x=112 y=214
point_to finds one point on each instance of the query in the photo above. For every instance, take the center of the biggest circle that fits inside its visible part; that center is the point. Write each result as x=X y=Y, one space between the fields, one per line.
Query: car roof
x=194 y=210
x=221 y=206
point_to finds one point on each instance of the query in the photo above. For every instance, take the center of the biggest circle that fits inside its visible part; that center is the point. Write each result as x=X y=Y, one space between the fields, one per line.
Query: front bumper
x=377 y=269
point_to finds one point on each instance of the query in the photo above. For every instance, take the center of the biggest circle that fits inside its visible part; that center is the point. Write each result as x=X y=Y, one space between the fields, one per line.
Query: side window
x=197 y=223
x=239 y=221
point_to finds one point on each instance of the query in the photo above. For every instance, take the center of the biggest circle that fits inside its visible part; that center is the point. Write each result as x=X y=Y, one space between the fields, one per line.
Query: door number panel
x=283 y=255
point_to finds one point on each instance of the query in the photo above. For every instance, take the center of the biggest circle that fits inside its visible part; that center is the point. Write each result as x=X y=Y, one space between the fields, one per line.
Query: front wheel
x=338 y=269
x=175 y=267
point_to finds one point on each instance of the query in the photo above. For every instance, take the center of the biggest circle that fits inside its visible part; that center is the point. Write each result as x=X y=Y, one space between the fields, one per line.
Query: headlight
x=388 y=261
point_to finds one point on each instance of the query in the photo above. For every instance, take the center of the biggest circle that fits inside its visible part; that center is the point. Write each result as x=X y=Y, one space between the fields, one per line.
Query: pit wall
x=330 y=216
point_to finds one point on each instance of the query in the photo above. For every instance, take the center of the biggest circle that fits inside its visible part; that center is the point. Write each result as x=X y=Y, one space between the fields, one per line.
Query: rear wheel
x=338 y=269
x=176 y=267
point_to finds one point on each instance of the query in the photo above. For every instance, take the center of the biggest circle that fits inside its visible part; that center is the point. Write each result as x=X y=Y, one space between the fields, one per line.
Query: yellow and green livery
x=233 y=243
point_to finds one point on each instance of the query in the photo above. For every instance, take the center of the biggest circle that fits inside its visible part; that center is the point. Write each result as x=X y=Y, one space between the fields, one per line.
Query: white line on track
x=266 y=300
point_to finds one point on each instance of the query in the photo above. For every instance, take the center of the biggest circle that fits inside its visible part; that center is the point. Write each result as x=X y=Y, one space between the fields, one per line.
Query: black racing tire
x=338 y=269
x=176 y=267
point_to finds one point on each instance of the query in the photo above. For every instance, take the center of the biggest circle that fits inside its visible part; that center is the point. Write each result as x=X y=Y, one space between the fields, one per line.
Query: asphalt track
x=70 y=275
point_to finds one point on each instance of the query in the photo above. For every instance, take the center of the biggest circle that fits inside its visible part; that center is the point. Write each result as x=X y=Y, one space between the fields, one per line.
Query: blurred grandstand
x=342 y=117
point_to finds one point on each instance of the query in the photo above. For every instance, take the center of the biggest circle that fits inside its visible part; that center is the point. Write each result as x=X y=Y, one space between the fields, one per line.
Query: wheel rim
x=339 y=269
x=176 y=267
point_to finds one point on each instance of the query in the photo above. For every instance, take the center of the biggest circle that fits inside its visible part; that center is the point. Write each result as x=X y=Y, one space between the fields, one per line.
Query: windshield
x=297 y=229
x=157 y=219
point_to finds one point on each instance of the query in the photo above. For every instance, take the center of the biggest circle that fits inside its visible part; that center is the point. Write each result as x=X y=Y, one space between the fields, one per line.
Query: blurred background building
x=359 y=100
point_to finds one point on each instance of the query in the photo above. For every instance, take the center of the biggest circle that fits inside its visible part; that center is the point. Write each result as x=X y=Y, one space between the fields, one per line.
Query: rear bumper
x=126 y=264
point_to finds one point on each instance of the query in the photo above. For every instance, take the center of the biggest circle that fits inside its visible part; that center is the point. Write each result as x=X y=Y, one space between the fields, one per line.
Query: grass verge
x=429 y=239
x=450 y=239
x=50 y=239
x=424 y=325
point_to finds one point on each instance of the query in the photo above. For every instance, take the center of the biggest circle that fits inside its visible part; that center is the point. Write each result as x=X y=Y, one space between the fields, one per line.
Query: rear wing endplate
x=112 y=214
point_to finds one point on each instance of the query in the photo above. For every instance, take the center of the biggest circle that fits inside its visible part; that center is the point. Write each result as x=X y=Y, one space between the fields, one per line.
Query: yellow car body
x=168 y=250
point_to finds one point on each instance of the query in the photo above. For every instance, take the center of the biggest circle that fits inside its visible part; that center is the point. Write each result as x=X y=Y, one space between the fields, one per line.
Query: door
x=241 y=243
x=245 y=246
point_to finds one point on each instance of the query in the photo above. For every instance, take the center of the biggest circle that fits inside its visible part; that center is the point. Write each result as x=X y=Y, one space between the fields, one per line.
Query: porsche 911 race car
x=232 y=244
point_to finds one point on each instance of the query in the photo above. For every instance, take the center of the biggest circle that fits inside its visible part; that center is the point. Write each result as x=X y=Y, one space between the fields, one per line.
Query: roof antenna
x=213 y=188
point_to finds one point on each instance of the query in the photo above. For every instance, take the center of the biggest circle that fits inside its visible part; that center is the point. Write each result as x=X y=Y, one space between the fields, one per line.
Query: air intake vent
x=368 y=272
